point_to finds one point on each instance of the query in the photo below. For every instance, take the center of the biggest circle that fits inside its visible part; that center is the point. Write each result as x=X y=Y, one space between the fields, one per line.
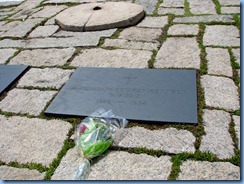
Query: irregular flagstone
x=5 y=54
x=149 y=6
x=170 y=140
x=230 y=10
x=236 y=53
x=154 y=22
x=48 y=11
x=176 y=11
x=23 y=14
x=22 y=28
x=217 y=139
x=44 y=31
x=9 y=25
x=202 y=7
x=173 y=3
x=51 y=21
x=43 y=57
x=237 y=122
x=127 y=44
x=119 y=58
x=28 y=4
x=47 y=77
x=141 y=34
x=10 y=3
x=229 y=2
x=203 y=170
x=31 y=140
x=119 y=165
x=206 y=19
x=69 y=1
x=220 y=92
x=26 y=101
x=11 y=173
x=178 y=53
x=182 y=29
x=219 y=62
x=221 y=35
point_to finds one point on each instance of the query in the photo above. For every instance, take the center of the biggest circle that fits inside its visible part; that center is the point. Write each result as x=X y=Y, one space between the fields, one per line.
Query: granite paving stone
x=141 y=34
x=48 y=11
x=127 y=44
x=43 y=57
x=203 y=170
x=44 y=31
x=23 y=14
x=172 y=4
x=26 y=101
x=119 y=58
x=217 y=139
x=11 y=173
x=10 y=3
x=202 y=7
x=44 y=78
x=236 y=53
x=149 y=6
x=205 y=19
x=28 y=4
x=5 y=54
x=31 y=140
x=220 y=92
x=219 y=62
x=50 y=21
x=221 y=35
x=176 y=11
x=230 y=10
x=182 y=29
x=170 y=140
x=154 y=22
x=9 y=25
x=178 y=53
x=229 y=2
x=69 y=1
x=237 y=122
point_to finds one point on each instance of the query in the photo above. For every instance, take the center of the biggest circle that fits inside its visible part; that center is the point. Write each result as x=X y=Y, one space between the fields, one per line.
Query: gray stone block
x=173 y=4
x=206 y=19
x=5 y=54
x=154 y=22
x=202 y=7
x=176 y=11
x=149 y=6
x=48 y=11
x=230 y=10
x=43 y=31
x=229 y=2
x=182 y=29
x=237 y=54
x=237 y=121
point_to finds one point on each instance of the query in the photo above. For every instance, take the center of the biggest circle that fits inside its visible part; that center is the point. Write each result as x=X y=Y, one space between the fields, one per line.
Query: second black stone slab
x=136 y=94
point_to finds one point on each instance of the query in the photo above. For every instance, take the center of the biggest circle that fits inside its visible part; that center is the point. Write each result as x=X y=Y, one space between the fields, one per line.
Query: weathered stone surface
x=154 y=22
x=230 y=10
x=237 y=55
x=44 y=31
x=26 y=101
x=202 y=7
x=28 y=4
x=206 y=19
x=221 y=35
x=178 y=53
x=127 y=44
x=50 y=21
x=10 y=3
x=43 y=57
x=220 y=92
x=217 y=139
x=237 y=122
x=86 y=17
x=219 y=62
x=5 y=54
x=229 y=2
x=23 y=14
x=48 y=11
x=118 y=58
x=173 y=4
x=170 y=140
x=9 y=25
x=182 y=29
x=11 y=173
x=176 y=11
x=125 y=166
x=69 y=1
x=141 y=34
x=31 y=140
x=22 y=28
x=203 y=170
x=149 y=6
x=48 y=77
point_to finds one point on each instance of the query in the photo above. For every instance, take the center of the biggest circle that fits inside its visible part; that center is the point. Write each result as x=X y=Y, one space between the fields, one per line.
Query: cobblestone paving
x=178 y=34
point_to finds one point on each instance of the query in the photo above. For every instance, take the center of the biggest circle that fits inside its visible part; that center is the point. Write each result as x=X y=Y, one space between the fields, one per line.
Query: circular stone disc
x=100 y=16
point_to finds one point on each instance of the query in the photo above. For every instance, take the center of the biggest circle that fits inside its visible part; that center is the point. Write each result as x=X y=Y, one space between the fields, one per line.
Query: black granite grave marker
x=135 y=94
x=9 y=74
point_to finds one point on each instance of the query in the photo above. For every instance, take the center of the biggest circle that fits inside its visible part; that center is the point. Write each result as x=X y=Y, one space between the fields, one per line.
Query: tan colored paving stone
x=229 y=2
x=219 y=62
x=202 y=7
x=220 y=92
x=230 y=10
x=48 y=11
x=31 y=140
x=206 y=19
x=5 y=54
x=217 y=139
x=119 y=58
x=203 y=170
x=43 y=57
x=26 y=101
x=44 y=31
x=172 y=3
x=236 y=53
x=141 y=34
x=182 y=29
x=11 y=173
x=178 y=53
x=176 y=11
x=47 y=77
x=149 y=6
x=154 y=22
x=237 y=121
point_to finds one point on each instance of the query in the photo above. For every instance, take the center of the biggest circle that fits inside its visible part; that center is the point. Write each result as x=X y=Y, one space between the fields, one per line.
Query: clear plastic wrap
x=94 y=135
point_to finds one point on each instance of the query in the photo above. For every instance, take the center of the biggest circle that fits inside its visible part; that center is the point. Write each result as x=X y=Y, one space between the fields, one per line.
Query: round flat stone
x=100 y=16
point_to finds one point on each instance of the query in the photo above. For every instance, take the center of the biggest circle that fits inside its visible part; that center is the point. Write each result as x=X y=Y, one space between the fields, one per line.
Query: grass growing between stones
x=166 y=28
x=236 y=17
x=217 y=6
x=155 y=12
x=187 y=8
x=152 y=60
x=235 y=67
x=30 y=166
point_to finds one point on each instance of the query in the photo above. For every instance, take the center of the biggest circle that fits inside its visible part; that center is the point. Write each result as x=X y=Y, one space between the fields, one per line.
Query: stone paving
x=175 y=34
